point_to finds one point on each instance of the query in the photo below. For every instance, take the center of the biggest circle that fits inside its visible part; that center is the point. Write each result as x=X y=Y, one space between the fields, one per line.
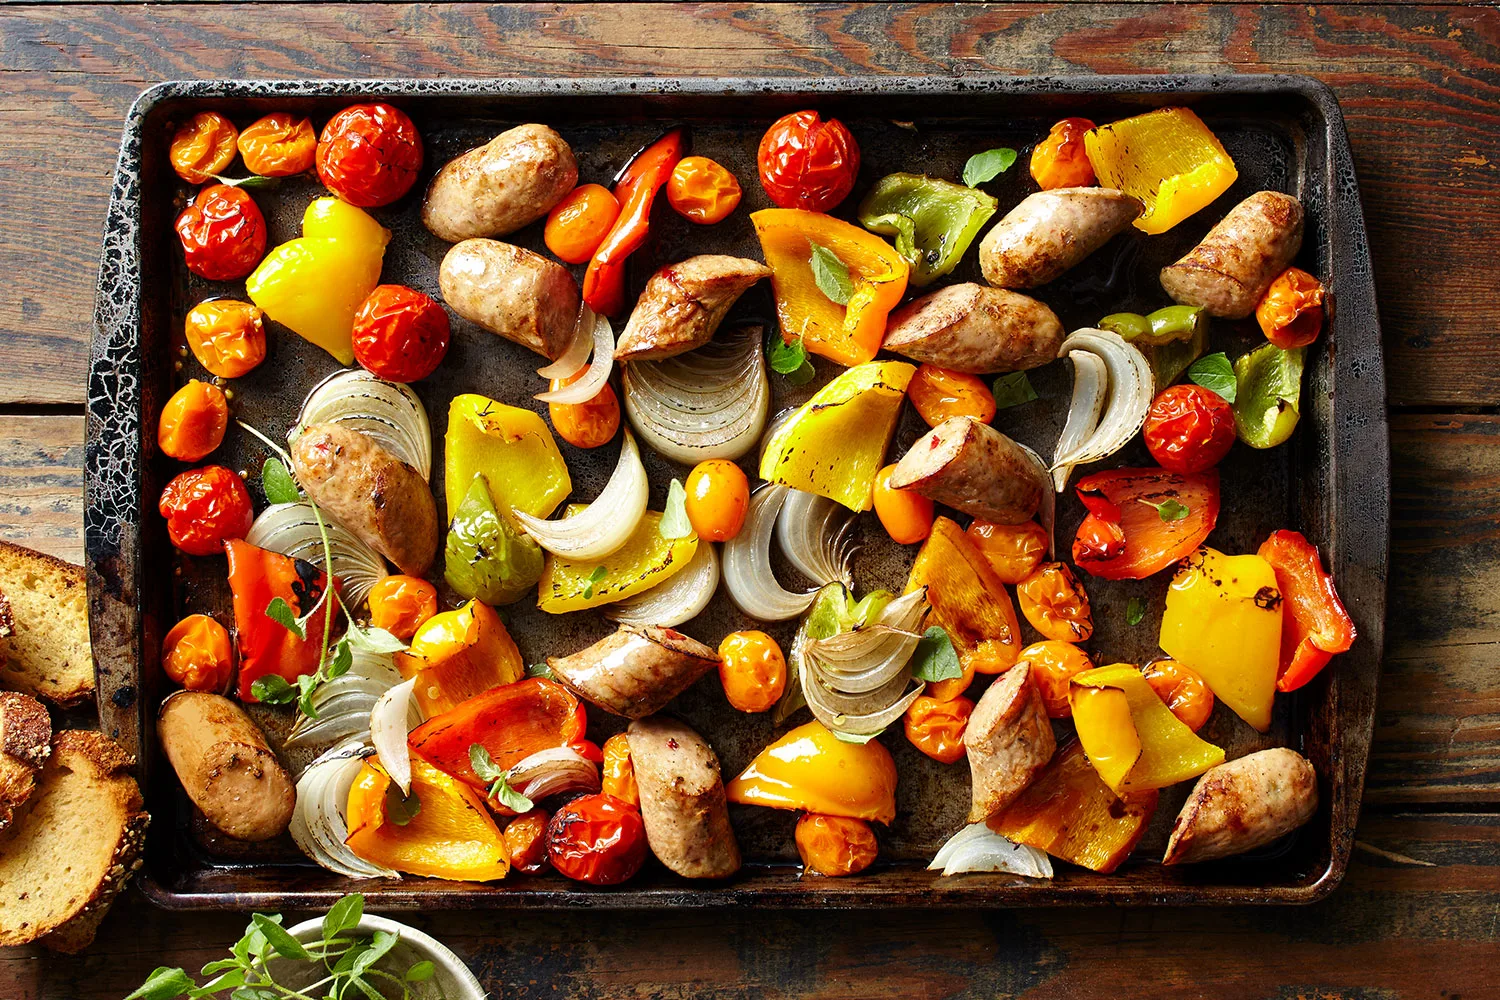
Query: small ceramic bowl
x=452 y=978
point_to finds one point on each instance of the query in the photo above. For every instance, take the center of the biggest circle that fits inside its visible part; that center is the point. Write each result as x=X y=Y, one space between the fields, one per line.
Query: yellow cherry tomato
x=1183 y=690
x=907 y=516
x=1054 y=663
x=939 y=393
x=589 y=424
x=578 y=224
x=835 y=845
x=1055 y=604
x=718 y=494
x=1014 y=551
x=619 y=771
x=401 y=604
x=702 y=190
x=752 y=669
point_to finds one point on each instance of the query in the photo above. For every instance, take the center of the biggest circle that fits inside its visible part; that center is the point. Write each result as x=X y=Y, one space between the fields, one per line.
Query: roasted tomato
x=1014 y=550
x=1290 y=314
x=205 y=507
x=1060 y=160
x=400 y=604
x=228 y=337
x=1143 y=520
x=279 y=145
x=1189 y=428
x=937 y=727
x=223 y=233
x=618 y=772
x=1183 y=690
x=526 y=841
x=939 y=393
x=400 y=334
x=589 y=424
x=597 y=839
x=193 y=421
x=905 y=515
x=1055 y=604
x=1053 y=665
x=369 y=154
x=578 y=224
x=202 y=147
x=806 y=162
x=702 y=191
x=198 y=655
x=752 y=669
x=718 y=496
x=835 y=845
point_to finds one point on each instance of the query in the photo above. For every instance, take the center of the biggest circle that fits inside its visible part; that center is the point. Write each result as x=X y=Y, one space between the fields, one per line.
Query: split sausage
x=1051 y=231
x=495 y=189
x=513 y=293
x=1231 y=269
x=976 y=329
x=683 y=305
x=225 y=765
x=974 y=468
x=682 y=799
x=1008 y=739
x=635 y=671
x=1242 y=805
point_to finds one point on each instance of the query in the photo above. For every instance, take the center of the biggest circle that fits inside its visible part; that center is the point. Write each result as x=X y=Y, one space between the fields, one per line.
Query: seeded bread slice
x=25 y=744
x=69 y=854
x=48 y=656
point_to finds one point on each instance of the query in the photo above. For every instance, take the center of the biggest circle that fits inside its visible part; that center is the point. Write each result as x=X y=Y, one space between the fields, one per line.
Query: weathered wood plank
x=1419 y=87
x=41 y=484
x=1395 y=928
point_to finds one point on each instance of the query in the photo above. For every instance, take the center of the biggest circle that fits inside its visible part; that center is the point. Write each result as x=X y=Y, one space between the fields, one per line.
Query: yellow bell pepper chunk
x=1130 y=735
x=458 y=654
x=512 y=447
x=644 y=561
x=811 y=769
x=835 y=442
x=314 y=284
x=452 y=835
x=1168 y=159
x=849 y=334
x=1223 y=619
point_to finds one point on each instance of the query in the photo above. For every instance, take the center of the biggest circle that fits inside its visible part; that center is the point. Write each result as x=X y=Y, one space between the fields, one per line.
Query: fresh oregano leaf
x=508 y=797
x=373 y=640
x=934 y=658
x=483 y=764
x=1135 y=610
x=540 y=670
x=988 y=165
x=785 y=358
x=278 y=483
x=285 y=945
x=163 y=984
x=281 y=613
x=1213 y=371
x=1012 y=390
x=831 y=275
x=1168 y=510
x=272 y=689
x=597 y=575
x=380 y=945
x=343 y=659
x=421 y=972
x=343 y=915
x=401 y=809
x=250 y=183
x=674 y=520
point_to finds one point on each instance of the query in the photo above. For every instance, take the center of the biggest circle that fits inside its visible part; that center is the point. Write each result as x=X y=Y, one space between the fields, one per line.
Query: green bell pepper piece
x=933 y=220
x=487 y=556
x=1268 y=395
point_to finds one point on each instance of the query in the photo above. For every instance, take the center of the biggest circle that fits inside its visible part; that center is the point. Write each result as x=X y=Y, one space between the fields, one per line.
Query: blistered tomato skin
x=835 y=845
x=228 y=337
x=752 y=670
x=198 y=655
x=204 y=508
x=936 y=727
x=808 y=163
x=193 y=422
x=1055 y=604
x=578 y=224
x=1014 y=551
x=589 y=424
x=617 y=773
x=222 y=232
x=938 y=394
x=718 y=496
x=279 y=145
x=905 y=515
x=202 y=147
x=597 y=839
x=702 y=191
x=400 y=334
x=526 y=841
x=1189 y=429
x=1060 y=160
x=1183 y=690
x=369 y=154
x=1053 y=665
x=401 y=604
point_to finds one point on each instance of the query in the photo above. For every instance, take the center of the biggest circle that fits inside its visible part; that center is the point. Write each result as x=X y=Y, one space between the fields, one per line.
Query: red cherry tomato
x=204 y=507
x=369 y=154
x=400 y=334
x=1189 y=428
x=806 y=162
x=223 y=233
x=597 y=839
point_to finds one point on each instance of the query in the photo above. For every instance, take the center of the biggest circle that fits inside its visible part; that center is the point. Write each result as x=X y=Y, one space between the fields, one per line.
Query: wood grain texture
x=1418 y=85
x=41 y=484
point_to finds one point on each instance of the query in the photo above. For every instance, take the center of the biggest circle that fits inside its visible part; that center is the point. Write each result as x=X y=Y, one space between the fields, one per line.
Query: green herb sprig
x=484 y=765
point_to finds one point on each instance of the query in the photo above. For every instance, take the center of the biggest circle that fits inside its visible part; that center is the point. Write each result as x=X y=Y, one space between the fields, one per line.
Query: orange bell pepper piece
x=256 y=576
x=849 y=334
x=1167 y=158
x=459 y=654
x=811 y=769
x=1131 y=736
x=968 y=600
x=1314 y=623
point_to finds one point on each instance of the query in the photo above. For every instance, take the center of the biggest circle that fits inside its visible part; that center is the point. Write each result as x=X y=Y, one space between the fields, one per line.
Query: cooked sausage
x=519 y=295
x=225 y=765
x=495 y=189
x=972 y=467
x=683 y=305
x=1242 y=805
x=1008 y=739
x=682 y=799
x=1050 y=232
x=635 y=671
x=1231 y=269
x=374 y=494
x=976 y=329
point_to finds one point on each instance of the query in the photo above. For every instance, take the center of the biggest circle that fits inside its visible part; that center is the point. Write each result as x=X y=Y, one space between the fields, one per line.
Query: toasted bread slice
x=48 y=656
x=69 y=854
x=25 y=744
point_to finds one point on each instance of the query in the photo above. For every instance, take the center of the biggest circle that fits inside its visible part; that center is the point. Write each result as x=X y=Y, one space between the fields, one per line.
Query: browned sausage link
x=1231 y=269
x=380 y=498
x=683 y=305
x=971 y=467
x=513 y=293
x=1242 y=805
x=635 y=671
x=495 y=189
x=1050 y=232
x=977 y=329
x=225 y=765
x=682 y=799
x=1008 y=740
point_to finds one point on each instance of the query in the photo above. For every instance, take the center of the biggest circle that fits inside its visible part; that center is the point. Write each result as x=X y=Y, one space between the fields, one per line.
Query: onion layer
x=571 y=361
x=388 y=731
x=593 y=380
x=816 y=535
x=977 y=848
x=344 y=704
x=747 y=562
x=856 y=682
x=1090 y=388
x=708 y=403
x=604 y=525
x=681 y=598
x=292 y=530
x=319 y=825
x=1130 y=387
x=552 y=772
x=390 y=414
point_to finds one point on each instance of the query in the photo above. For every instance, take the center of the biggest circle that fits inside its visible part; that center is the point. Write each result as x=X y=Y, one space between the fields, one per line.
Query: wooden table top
x=1420 y=87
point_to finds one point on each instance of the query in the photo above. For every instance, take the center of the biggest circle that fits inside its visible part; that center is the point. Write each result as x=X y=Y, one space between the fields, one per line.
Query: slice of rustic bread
x=25 y=743
x=48 y=656
x=71 y=851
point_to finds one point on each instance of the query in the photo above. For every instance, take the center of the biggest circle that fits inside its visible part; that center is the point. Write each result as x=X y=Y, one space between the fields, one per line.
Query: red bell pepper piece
x=635 y=190
x=1314 y=624
x=256 y=576
x=1126 y=536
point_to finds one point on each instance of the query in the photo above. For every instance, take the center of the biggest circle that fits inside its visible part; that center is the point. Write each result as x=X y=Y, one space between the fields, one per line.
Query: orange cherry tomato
x=905 y=515
x=586 y=425
x=279 y=145
x=1013 y=550
x=198 y=654
x=193 y=421
x=526 y=841
x=618 y=771
x=597 y=839
x=205 y=507
x=578 y=224
x=1183 y=690
x=1060 y=160
x=937 y=727
x=1290 y=314
x=718 y=495
x=400 y=604
x=951 y=688
x=369 y=154
x=752 y=670
x=702 y=191
x=1055 y=604
x=400 y=334
x=1053 y=664
x=1189 y=429
x=835 y=845
x=202 y=147
x=228 y=337
x=808 y=163
x=939 y=393
x=223 y=233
